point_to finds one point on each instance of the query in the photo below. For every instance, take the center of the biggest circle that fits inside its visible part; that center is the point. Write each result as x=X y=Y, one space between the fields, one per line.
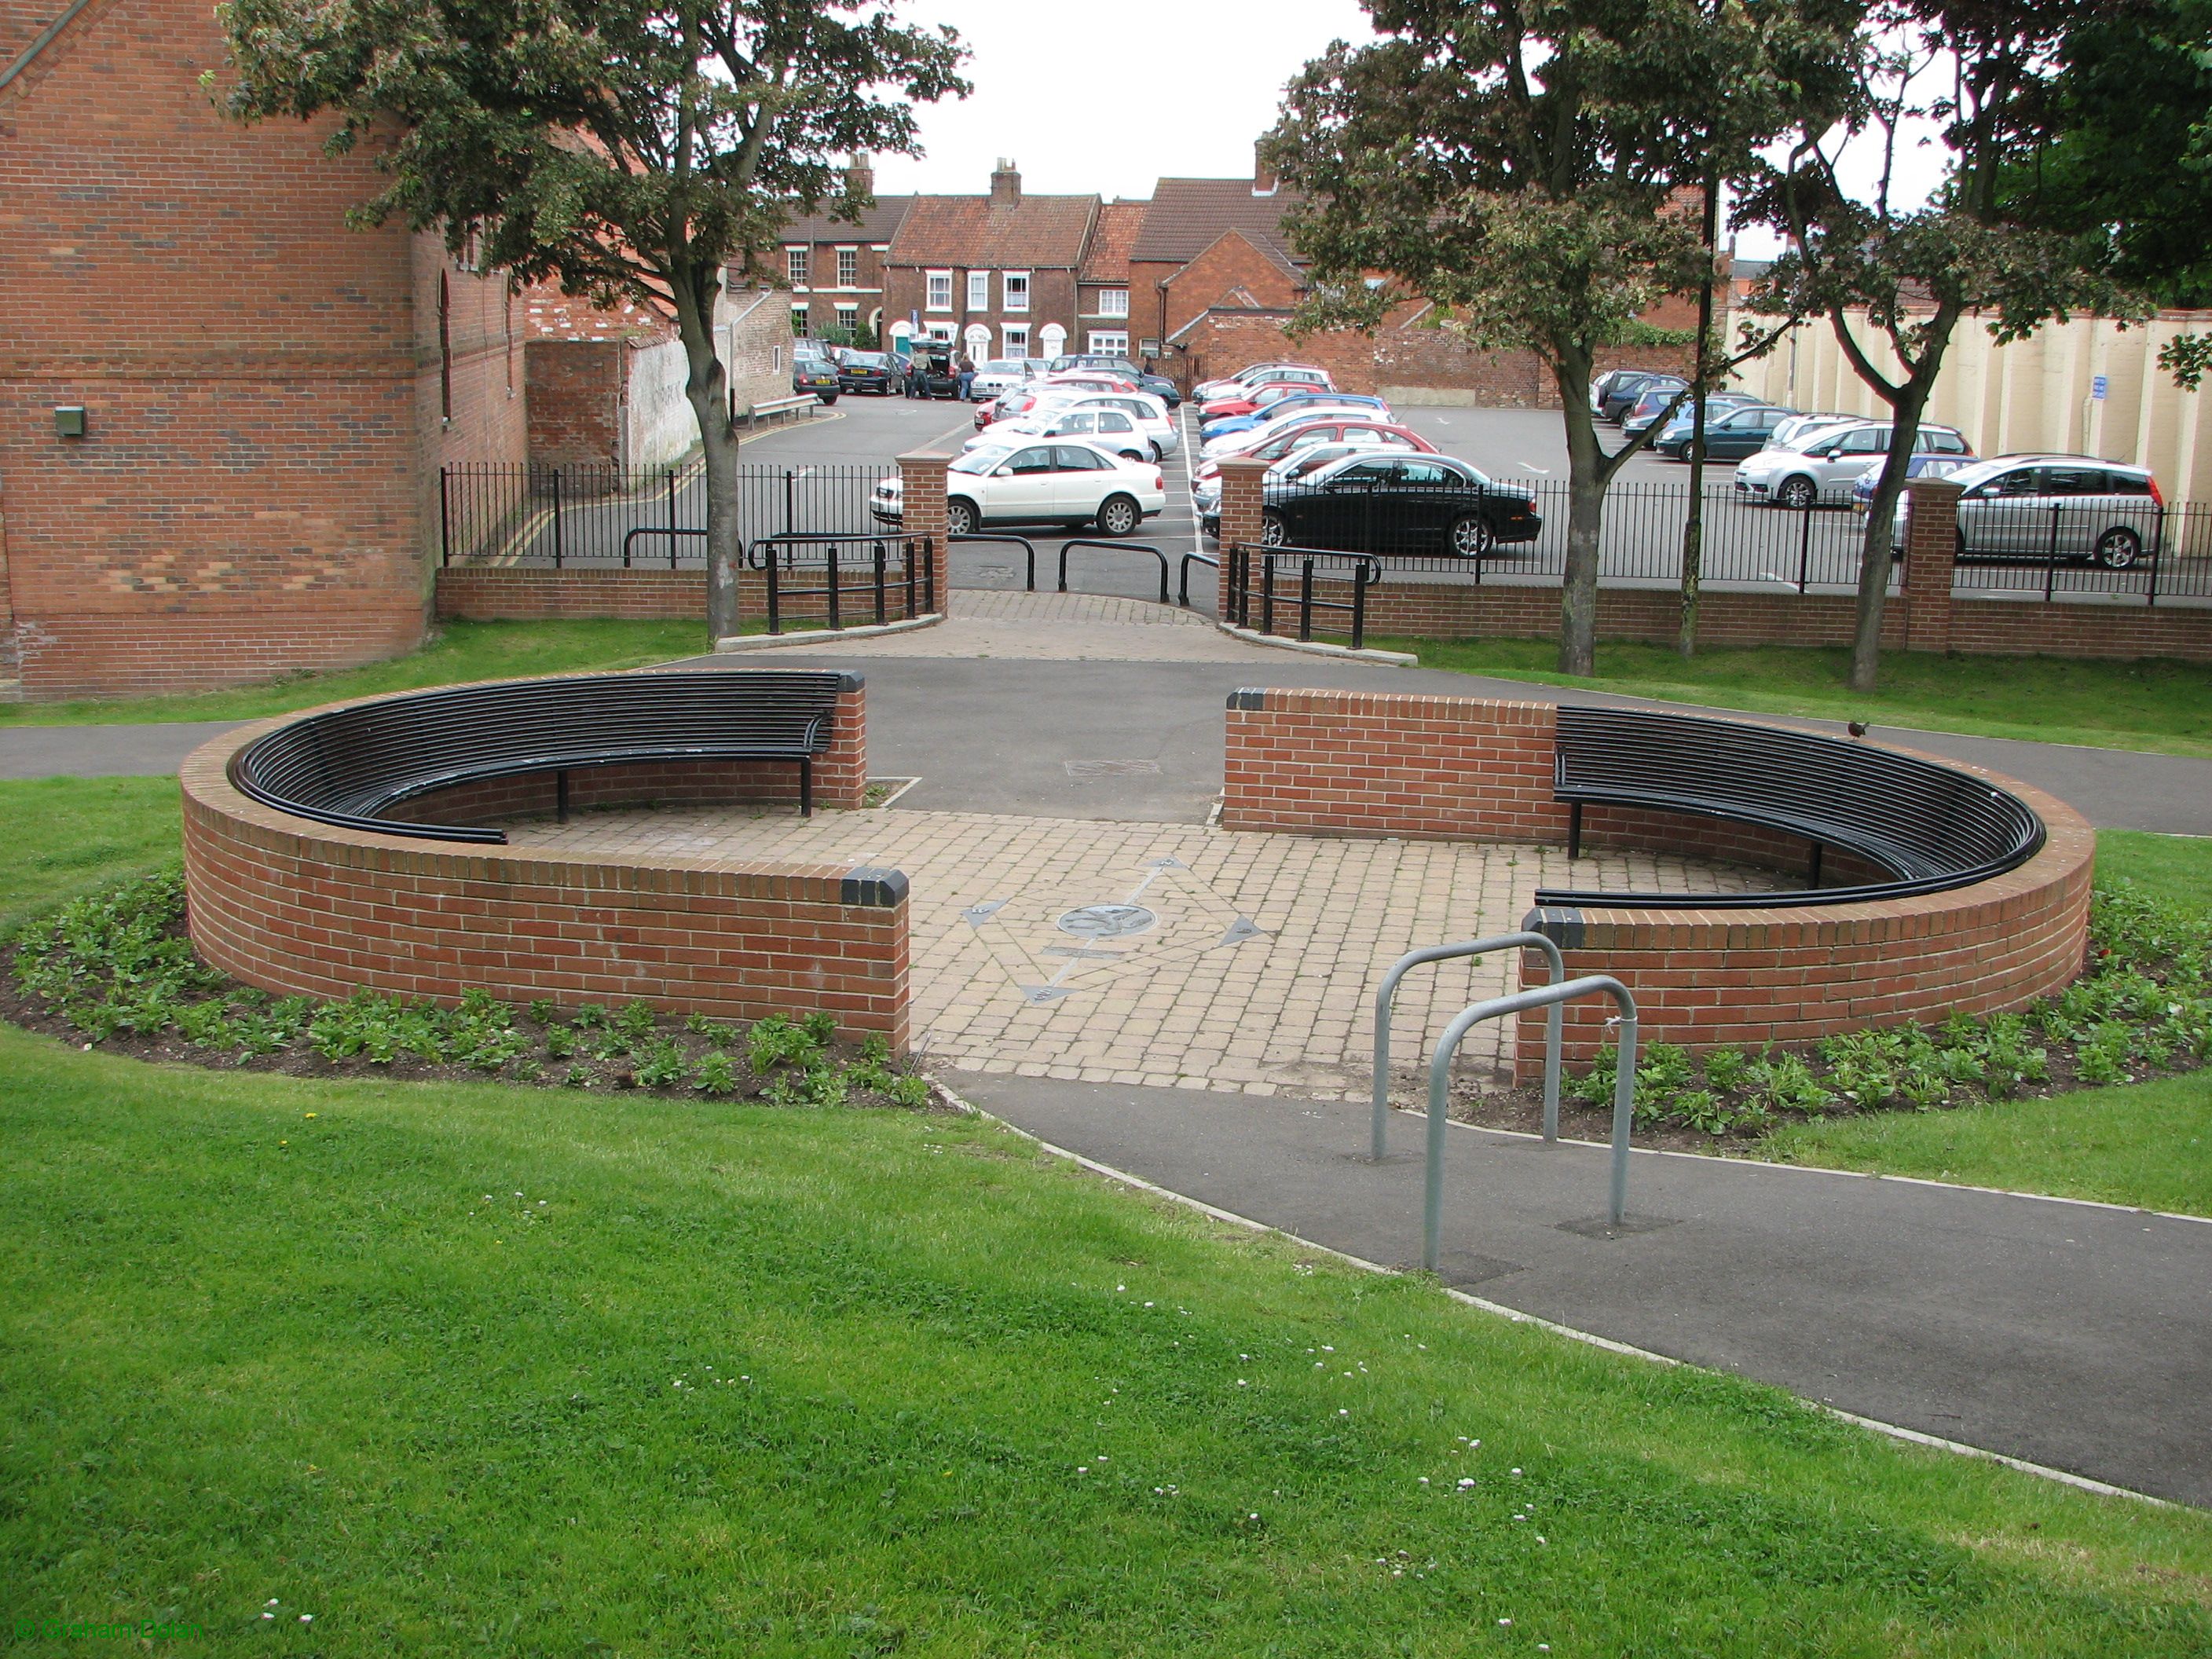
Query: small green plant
x=589 y=1017
x=820 y=1026
x=578 y=1077
x=1784 y=1083
x=542 y=1010
x=715 y=1074
x=774 y=1042
x=909 y=1089
x=712 y=1030
x=1725 y=1069
x=662 y=1066
x=636 y=1020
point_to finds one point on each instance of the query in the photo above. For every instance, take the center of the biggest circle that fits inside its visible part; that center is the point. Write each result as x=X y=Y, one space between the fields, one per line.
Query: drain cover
x=1107 y=920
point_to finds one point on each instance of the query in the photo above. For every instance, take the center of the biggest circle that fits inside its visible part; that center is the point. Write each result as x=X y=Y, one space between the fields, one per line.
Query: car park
x=1401 y=504
x=1220 y=437
x=932 y=360
x=869 y=371
x=2054 y=508
x=1791 y=432
x=1110 y=427
x=1658 y=401
x=998 y=376
x=1623 y=389
x=1206 y=494
x=1824 y=470
x=1254 y=399
x=1922 y=465
x=813 y=371
x=1063 y=482
x=1323 y=428
x=1732 y=434
x=1255 y=375
x=1158 y=385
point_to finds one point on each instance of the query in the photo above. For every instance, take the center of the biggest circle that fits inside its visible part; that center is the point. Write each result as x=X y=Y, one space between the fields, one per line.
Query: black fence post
x=830 y=573
x=557 y=551
x=2157 y=550
x=883 y=615
x=1804 y=547
x=1266 y=592
x=445 y=521
x=1305 y=600
x=2051 y=556
x=1359 y=602
x=790 y=498
x=774 y=603
x=672 y=518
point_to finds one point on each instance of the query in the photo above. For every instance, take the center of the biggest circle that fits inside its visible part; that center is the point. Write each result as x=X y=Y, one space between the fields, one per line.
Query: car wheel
x=2119 y=549
x=959 y=517
x=1132 y=455
x=1471 y=535
x=1119 y=515
x=1273 y=533
x=1797 y=494
x=827 y=397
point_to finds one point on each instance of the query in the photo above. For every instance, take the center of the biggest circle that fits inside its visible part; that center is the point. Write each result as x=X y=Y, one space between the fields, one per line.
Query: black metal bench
x=350 y=767
x=1931 y=827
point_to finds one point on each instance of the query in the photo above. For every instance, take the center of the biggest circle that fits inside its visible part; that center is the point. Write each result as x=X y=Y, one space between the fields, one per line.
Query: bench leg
x=561 y=797
x=1575 y=830
x=1813 y=867
x=807 y=789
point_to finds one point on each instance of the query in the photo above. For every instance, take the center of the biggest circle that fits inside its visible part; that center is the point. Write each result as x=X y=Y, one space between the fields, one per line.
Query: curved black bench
x=350 y=767
x=1931 y=827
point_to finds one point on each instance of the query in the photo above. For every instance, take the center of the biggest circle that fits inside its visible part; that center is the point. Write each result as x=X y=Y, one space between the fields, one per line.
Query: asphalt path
x=2074 y=1336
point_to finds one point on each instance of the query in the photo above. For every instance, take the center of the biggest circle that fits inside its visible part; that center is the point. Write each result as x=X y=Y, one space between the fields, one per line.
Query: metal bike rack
x=670 y=530
x=1544 y=996
x=1028 y=547
x=1182 y=579
x=1413 y=959
x=1114 y=547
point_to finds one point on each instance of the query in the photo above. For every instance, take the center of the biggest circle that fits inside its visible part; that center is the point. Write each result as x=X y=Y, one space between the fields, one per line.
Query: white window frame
x=848 y=257
x=849 y=317
x=940 y=332
x=931 y=280
x=796 y=266
x=1113 y=302
x=800 y=322
x=1014 y=300
x=1107 y=342
x=979 y=290
x=1014 y=340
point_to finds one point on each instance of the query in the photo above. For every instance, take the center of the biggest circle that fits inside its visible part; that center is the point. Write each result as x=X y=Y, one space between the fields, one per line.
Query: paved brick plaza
x=1255 y=973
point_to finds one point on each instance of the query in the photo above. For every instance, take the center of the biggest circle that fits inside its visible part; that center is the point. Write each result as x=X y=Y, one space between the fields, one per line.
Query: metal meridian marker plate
x=1107 y=920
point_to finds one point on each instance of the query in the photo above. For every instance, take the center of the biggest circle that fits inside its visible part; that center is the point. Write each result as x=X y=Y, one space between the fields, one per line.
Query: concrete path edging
x=815 y=636
x=959 y=1102
x=1321 y=647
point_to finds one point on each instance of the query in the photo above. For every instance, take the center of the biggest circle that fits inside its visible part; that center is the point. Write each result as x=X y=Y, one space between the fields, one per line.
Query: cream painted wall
x=2034 y=394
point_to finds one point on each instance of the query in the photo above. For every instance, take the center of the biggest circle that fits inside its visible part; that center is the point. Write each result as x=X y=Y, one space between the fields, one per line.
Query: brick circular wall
x=295 y=906
x=1358 y=764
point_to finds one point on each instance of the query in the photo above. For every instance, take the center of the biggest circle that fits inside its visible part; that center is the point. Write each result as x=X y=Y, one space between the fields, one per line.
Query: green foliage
x=663 y=1066
x=715 y=1074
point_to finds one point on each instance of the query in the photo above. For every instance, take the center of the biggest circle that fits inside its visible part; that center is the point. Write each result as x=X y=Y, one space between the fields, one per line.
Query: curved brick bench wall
x=295 y=906
x=1353 y=763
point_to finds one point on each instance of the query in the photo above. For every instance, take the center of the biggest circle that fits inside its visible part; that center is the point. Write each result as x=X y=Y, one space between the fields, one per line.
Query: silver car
x=1825 y=465
x=2057 y=507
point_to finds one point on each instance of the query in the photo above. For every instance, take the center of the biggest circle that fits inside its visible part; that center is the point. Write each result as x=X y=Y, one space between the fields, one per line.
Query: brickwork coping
x=921 y=481
x=1931 y=555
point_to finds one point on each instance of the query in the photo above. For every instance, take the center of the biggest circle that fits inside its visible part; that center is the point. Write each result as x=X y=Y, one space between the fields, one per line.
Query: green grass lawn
x=476 y=1370
x=2160 y=706
x=62 y=836
x=461 y=650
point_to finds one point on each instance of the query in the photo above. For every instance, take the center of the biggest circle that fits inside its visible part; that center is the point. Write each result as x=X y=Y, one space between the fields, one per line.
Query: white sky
x=1106 y=101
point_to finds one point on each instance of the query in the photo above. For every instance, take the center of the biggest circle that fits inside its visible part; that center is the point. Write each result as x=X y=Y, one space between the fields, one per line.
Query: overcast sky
x=1103 y=100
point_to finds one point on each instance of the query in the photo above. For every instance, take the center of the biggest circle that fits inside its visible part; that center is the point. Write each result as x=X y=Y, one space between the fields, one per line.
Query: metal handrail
x=914 y=554
x=1028 y=547
x=1182 y=579
x=1114 y=547
x=1543 y=996
x=670 y=530
x=1413 y=959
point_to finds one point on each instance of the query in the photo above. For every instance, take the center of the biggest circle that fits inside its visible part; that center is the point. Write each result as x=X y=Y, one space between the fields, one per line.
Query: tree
x=1981 y=71
x=633 y=149
x=1528 y=166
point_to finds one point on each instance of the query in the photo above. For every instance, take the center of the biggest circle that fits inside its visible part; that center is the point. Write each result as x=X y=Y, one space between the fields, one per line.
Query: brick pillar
x=921 y=478
x=840 y=772
x=1931 y=552
x=1241 y=479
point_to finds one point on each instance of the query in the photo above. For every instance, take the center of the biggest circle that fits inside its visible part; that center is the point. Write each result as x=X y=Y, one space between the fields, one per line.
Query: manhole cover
x=1083 y=769
x=1107 y=920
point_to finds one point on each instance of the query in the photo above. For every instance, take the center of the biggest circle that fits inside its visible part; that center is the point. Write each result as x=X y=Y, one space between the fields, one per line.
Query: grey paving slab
x=2076 y=1336
x=46 y=751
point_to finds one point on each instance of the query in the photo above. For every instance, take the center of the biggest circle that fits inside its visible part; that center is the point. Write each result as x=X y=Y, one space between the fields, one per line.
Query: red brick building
x=835 y=267
x=994 y=274
x=1103 y=303
x=222 y=411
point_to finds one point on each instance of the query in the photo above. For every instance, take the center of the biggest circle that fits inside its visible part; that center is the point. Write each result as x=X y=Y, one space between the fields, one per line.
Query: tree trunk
x=708 y=388
x=1693 y=524
x=1586 y=482
x=1875 y=551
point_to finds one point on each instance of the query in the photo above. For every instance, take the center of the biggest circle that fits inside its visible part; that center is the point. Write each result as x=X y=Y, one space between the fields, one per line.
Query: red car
x=1326 y=429
x=1250 y=402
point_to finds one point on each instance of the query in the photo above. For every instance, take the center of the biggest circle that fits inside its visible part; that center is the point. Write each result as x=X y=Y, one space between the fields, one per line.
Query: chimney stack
x=860 y=174
x=1005 y=185
x=1263 y=176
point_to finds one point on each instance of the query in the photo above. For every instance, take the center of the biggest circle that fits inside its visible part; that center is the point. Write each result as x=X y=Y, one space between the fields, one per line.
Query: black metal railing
x=1068 y=547
x=1259 y=599
x=891 y=576
x=583 y=514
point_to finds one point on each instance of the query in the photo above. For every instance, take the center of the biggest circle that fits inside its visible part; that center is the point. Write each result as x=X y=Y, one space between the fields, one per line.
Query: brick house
x=995 y=275
x=222 y=412
x=1189 y=218
x=834 y=268
x=1103 y=284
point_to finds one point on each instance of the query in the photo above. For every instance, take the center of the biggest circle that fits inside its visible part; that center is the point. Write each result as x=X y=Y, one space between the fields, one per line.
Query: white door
x=978 y=339
x=1024 y=488
x=1053 y=338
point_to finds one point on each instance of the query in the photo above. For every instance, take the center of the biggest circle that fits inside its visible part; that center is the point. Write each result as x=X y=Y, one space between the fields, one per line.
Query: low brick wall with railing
x=1357 y=763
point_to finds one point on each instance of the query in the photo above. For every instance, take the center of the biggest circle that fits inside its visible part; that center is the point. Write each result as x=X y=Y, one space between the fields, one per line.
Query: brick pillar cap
x=926 y=458
x=1242 y=463
x=1935 y=486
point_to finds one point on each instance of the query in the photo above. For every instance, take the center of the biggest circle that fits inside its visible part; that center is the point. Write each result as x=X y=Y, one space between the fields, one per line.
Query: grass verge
x=452 y=1367
x=62 y=836
x=459 y=652
x=2158 y=706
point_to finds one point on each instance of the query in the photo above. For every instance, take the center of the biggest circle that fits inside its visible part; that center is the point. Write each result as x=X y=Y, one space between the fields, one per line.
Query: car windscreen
x=978 y=461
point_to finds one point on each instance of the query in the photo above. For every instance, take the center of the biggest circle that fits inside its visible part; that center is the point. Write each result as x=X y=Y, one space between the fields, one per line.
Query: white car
x=1059 y=482
x=999 y=376
x=1830 y=462
x=1132 y=424
x=1267 y=426
x=1788 y=433
x=1256 y=376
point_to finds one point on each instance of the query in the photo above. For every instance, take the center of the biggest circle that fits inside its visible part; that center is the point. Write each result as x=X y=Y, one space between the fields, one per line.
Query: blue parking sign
x=2098 y=383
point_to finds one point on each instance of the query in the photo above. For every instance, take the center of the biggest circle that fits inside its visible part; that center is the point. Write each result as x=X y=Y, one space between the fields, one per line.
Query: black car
x=1399 y=503
x=1158 y=385
x=1618 y=391
x=812 y=372
x=869 y=371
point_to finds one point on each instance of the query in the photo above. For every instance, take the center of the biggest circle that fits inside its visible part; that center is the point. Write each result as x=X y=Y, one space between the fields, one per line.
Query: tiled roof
x=550 y=313
x=1187 y=216
x=1037 y=232
x=1107 y=261
x=877 y=226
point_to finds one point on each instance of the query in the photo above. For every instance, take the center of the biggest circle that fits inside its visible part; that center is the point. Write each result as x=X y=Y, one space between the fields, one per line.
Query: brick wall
x=298 y=907
x=1356 y=763
x=574 y=401
x=264 y=386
